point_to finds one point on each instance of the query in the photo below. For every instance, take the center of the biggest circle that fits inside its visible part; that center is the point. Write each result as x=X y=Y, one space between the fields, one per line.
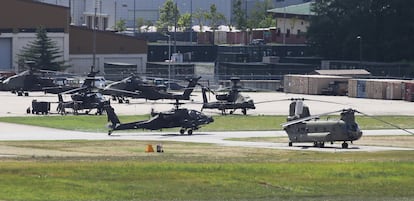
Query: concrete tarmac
x=267 y=103
x=12 y=105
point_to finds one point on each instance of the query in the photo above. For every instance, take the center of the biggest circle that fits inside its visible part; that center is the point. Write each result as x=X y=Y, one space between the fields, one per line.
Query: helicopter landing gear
x=290 y=144
x=319 y=144
x=244 y=111
x=109 y=132
x=189 y=132
x=344 y=145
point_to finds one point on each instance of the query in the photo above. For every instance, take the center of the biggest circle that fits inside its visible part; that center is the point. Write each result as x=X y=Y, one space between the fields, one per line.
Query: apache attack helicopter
x=34 y=80
x=187 y=120
x=135 y=87
x=84 y=98
x=232 y=100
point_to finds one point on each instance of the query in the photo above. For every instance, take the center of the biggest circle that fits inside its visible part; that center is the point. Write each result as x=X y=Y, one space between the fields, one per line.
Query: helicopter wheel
x=109 y=132
x=321 y=144
x=344 y=145
x=244 y=111
x=190 y=132
x=182 y=131
x=231 y=112
x=290 y=144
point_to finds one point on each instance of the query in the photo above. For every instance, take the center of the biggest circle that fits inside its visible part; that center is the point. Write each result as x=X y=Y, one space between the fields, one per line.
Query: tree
x=43 y=53
x=185 y=21
x=239 y=17
x=385 y=27
x=200 y=16
x=169 y=15
x=215 y=19
x=259 y=17
x=120 y=26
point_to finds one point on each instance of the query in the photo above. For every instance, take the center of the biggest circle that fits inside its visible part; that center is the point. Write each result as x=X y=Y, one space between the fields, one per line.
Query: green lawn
x=121 y=170
x=221 y=123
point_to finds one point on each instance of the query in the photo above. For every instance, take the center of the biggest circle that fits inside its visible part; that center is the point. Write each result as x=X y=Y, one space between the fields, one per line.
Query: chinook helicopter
x=301 y=126
x=187 y=120
x=232 y=100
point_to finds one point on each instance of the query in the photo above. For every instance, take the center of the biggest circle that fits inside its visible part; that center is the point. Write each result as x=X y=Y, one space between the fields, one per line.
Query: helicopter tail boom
x=112 y=117
x=191 y=84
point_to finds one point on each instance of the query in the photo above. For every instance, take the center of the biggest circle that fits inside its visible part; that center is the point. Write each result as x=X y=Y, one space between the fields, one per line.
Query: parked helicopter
x=25 y=82
x=85 y=97
x=187 y=120
x=301 y=126
x=34 y=80
x=141 y=89
x=232 y=100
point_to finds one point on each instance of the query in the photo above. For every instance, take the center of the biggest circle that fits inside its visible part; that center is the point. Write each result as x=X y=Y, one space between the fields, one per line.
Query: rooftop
x=299 y=9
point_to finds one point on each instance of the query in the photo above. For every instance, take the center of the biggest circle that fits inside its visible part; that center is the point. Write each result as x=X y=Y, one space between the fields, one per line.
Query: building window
x=298 y=35
x=287 y=33
x=105 y=23
x=89 y=22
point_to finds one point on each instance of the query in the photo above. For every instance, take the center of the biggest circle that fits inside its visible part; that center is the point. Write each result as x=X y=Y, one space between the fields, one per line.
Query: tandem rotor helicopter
x=301 y=126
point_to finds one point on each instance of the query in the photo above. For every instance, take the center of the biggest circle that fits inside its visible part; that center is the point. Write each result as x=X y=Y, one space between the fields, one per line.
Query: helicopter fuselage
x=323 y=131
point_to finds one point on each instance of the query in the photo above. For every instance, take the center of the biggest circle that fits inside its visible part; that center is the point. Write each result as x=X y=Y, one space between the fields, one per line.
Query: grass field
x=221 y=123
x=121 y=170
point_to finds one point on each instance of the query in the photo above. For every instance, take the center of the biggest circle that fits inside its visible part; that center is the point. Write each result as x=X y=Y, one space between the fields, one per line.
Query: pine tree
x=43 y=53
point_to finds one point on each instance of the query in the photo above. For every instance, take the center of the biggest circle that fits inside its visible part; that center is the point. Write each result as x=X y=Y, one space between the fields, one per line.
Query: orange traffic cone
x=149 y=148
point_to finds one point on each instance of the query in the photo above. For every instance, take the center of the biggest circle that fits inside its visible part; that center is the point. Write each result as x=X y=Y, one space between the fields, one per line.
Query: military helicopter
x=31 y=80
x=187 y=120
x=135 y=87
x=232 y=100
x=84 y=98
x=301 y=126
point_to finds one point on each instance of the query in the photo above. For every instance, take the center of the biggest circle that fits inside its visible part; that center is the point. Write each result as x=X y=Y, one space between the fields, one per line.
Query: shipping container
x=394 y=90
x=309 y=84
x=408 y=91
x=361 y=89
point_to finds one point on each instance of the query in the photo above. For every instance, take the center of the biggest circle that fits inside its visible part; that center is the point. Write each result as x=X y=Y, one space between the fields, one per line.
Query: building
x=292 y=22
x=76 y=43
x=109 y=12
x=23 y=18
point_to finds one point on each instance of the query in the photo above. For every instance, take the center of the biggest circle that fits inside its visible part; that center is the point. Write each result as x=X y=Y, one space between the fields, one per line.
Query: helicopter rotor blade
x=308 y=118
x=385 y=122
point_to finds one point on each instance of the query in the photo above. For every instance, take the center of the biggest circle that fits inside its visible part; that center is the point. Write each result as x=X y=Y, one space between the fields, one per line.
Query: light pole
x=360 y=50
x=169 y=60
x=94 y=36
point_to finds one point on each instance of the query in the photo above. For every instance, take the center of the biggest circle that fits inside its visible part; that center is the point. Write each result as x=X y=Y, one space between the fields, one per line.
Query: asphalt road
x=11 y=105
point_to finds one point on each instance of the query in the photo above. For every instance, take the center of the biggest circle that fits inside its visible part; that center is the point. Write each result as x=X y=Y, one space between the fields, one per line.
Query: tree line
x=370 y=30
